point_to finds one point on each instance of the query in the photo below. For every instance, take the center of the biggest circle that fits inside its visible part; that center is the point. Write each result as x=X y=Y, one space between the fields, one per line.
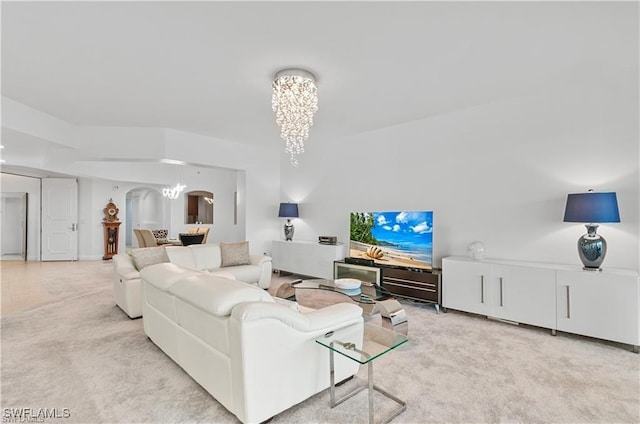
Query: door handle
x=73 y=227
x=482 y=289
x=568 y=301
x=501 y=297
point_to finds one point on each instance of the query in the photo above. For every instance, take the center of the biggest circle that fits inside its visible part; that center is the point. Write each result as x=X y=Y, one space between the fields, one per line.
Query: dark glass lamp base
x=592 y=249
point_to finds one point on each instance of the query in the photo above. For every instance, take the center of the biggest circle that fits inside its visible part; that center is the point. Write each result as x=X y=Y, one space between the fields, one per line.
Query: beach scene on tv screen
x=400 y=238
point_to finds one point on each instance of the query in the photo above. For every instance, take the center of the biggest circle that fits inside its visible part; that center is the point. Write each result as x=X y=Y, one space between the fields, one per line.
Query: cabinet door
x=359 y=272
x=465 y=286
x=599 y=304
x=524 y=294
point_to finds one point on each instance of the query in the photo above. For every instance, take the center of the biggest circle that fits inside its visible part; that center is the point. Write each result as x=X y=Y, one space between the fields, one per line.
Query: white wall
x=93 y=196
x=499 y=173
x=18 y=184
x=251 y=172
x=258 y=181
x=95 y=193
x=24 y=119
x=135 y=158
x=13 y=223
x=222 y=183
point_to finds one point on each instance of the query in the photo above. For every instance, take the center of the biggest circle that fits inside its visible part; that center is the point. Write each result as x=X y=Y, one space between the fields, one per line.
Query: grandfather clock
x=111 y=230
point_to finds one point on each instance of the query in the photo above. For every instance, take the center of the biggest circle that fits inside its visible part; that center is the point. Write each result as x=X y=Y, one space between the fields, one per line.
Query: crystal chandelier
x=294 y=101
x=173 y=192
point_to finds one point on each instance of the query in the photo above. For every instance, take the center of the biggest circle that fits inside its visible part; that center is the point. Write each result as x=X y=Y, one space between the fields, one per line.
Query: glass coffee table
x=319 y=293
x=377 y=341
x=367 y=293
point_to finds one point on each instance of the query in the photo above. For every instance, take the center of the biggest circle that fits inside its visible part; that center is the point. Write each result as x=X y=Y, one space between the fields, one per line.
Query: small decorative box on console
x=328 y=240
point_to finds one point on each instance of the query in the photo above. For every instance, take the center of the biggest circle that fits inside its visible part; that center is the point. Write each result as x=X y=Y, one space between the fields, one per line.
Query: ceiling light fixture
x=173 y=192
x=294 y=101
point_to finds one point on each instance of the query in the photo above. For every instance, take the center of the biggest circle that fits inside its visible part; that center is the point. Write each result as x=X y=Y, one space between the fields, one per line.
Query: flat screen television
x=397 y=239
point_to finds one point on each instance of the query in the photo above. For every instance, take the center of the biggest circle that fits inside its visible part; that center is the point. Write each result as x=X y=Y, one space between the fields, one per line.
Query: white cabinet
x=519 y=293
x=524 y=294
x=306 y=257
x=465 y=286
x=599 y=304
x=603 y=304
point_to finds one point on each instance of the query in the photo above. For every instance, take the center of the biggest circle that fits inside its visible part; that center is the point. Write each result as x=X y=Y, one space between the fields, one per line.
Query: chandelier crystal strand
x=294 y=101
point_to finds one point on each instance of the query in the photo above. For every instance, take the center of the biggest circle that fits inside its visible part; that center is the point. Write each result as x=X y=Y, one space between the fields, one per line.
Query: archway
x=143 y=209
x=198 y=207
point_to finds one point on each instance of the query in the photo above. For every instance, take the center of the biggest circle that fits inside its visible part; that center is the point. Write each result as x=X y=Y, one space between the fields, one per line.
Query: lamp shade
x=592 y=207
x=288 y=210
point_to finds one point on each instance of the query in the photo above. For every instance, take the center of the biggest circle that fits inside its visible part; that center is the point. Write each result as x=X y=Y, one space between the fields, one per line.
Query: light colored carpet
x=83 y=353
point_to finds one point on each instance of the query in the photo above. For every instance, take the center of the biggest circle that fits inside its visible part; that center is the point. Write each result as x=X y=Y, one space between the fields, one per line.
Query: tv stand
x=416 y=284
x=421 y=285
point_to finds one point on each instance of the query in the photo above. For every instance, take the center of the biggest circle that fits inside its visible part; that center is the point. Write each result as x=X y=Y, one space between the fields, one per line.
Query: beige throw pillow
x=235 y=253
x=146 y=256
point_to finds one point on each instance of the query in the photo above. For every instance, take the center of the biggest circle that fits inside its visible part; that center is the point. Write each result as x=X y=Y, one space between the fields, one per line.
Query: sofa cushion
x=211 y=329
x=182 y=256
x=339 y=314
x=234 y=254
x=207 y=256
x=165 y=275
x=216 y=295
x=218 y=273
x=145 y=256
x=247 y=273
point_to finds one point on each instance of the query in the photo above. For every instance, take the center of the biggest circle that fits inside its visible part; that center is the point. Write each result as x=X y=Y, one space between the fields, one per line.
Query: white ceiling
x=206 y=67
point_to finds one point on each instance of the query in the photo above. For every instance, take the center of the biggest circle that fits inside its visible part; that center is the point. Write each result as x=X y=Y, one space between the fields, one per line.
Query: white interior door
x=59 y=219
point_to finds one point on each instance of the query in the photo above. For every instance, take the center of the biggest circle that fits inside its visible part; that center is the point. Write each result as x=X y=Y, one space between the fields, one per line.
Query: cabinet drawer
x=411 y=289
x=404 y=274
x=432 y=286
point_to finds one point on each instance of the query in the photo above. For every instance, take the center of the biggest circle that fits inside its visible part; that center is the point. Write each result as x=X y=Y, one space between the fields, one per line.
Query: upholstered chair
x=139 y=237
x=160 y=235
x=148 y=237
x=205 y=231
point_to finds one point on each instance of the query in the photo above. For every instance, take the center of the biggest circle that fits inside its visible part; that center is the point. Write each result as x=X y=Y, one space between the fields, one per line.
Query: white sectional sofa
x=227 y=259
x=253 y=354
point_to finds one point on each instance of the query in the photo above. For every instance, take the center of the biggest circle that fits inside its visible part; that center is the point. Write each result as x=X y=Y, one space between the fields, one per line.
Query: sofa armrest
x=124 y=267
x=313 y=321
x=266 y=269
x=260 y=259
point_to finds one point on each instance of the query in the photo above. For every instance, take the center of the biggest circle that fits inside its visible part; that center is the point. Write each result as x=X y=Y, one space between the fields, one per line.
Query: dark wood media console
x=424 y=286
x=421 y=285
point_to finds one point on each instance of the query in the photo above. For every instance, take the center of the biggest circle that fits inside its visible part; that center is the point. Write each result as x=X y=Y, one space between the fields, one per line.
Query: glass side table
x=376 y=342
